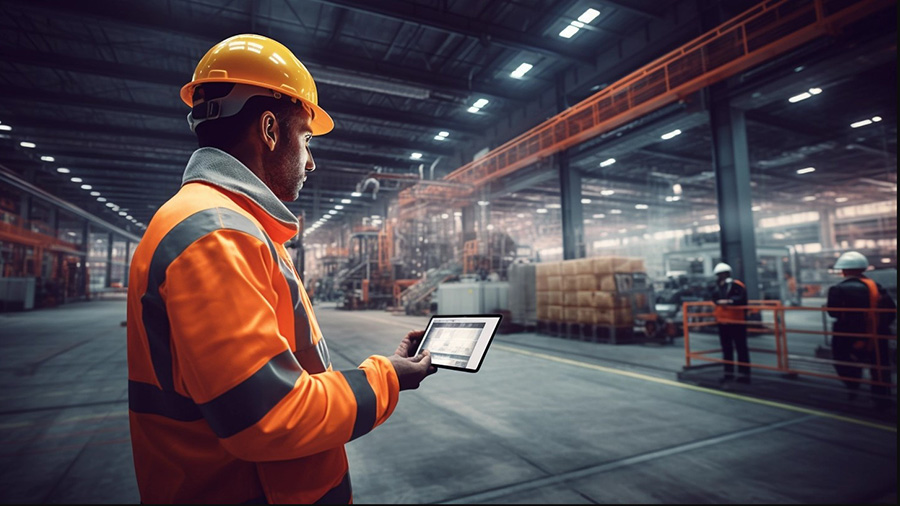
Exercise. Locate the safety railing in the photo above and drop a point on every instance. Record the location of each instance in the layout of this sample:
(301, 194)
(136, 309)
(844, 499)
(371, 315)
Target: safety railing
(790, 354)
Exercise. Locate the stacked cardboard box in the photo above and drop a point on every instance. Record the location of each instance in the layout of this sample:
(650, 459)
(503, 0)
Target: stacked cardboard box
(584, 290)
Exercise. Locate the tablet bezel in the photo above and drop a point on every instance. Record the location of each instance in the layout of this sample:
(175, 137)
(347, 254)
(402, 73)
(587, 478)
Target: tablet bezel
(499, 318)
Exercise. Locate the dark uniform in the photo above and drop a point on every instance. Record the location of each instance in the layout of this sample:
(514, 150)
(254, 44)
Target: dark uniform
(733, 337)
(853, 292)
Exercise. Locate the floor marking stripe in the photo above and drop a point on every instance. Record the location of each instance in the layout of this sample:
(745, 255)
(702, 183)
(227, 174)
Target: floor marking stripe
(663, 381)
(688, 386)
(484, 497)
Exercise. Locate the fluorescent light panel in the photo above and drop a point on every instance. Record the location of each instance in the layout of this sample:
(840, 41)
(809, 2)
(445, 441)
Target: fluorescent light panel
(588, 16)
(521, 70)
(669, 135)
(805, 95)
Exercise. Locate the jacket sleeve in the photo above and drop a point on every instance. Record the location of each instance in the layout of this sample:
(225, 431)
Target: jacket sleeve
(231, 359)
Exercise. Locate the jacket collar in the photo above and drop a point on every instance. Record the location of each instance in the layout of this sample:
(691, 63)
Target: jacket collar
(220, 169)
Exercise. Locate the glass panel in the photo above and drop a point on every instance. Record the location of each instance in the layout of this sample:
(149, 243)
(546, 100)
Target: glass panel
(98, 252)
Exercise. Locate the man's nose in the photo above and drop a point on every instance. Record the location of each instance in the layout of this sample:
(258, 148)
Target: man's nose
(310, 162)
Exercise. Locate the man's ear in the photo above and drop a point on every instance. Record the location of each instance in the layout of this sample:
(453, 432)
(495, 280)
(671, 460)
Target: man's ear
(268, 129)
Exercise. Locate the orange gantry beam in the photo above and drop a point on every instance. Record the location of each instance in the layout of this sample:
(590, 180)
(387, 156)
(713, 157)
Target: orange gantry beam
(768, 29)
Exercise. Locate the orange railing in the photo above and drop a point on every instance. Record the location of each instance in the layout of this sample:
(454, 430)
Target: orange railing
(698, 315)
(770, 28)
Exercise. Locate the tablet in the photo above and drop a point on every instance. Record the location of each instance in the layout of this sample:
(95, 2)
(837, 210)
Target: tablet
(459, 342)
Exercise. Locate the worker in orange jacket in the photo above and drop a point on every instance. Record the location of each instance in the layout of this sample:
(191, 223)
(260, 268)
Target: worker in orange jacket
(232, 395)
(858, 291)
(729, 293)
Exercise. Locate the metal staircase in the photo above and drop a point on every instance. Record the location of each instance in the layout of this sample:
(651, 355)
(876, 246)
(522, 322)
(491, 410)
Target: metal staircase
(416, 298)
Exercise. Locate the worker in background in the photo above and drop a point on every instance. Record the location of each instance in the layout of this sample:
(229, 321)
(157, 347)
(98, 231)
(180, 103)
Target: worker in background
(791, 283)
(858, 291)
(232, 395)
(728, 294)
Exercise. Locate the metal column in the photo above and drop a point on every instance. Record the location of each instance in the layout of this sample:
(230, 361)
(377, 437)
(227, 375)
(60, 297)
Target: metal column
(732, 165)
(572, 214)
(109, 258)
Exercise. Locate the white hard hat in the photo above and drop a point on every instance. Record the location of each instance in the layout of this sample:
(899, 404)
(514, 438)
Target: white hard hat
(721, 267)
(852, 260)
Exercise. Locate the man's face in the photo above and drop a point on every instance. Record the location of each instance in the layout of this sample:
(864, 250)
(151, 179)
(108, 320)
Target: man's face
(722, 276)
(292, 160)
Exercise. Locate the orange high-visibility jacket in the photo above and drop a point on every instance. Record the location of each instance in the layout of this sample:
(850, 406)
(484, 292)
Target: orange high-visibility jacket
(231, 393)
(735, 290)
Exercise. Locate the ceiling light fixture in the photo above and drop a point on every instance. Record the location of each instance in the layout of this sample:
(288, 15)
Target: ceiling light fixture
(588, 16)
(5, 128)
(607, 162)
(47, 159)
(865, 122)
(481, 102)
(346, 201)
(807, 170)
(25, 144)
(669, 135)
(63, 170)
(805, 95)
(416, 156)
(521, 70)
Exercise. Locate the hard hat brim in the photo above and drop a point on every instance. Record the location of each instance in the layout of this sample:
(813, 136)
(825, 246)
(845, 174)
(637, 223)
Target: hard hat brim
(320, 124)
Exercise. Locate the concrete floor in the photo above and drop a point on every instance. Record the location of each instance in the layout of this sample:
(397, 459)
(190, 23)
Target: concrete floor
(546, 420)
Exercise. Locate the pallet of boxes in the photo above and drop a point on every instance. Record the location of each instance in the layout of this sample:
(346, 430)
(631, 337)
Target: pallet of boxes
(580, 299)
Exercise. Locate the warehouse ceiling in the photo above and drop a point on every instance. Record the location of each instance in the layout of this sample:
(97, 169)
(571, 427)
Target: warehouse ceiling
(94, 85)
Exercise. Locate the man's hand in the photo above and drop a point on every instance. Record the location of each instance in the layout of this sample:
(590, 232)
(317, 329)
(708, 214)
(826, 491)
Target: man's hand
(723, 302)
(411, 370)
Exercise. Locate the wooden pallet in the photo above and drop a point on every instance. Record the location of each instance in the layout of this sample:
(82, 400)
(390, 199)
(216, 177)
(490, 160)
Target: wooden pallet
(587, 332)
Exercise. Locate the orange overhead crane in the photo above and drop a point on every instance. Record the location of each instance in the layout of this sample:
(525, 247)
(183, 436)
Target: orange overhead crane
(766, 30)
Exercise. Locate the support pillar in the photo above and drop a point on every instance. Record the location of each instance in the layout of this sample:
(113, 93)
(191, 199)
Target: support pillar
(109, 258)
(732, 166)
(827, 236)
(572, 208)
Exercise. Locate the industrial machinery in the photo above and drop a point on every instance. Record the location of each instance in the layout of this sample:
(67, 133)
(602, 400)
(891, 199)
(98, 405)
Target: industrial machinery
(678, 289)
(368, 280)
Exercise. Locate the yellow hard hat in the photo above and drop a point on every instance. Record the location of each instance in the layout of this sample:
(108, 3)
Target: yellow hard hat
(259, 61)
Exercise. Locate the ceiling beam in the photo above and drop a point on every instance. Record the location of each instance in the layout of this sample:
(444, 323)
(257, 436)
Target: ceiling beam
(349, 110)
(328, 144)
(149, 16)
(450, 22)
(629, 6)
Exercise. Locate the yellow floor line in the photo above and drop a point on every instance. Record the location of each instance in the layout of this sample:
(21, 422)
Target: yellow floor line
(620, 372)
(663, 381)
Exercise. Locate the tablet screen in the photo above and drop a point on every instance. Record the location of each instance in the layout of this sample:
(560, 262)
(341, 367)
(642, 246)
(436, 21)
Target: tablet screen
(459, 341)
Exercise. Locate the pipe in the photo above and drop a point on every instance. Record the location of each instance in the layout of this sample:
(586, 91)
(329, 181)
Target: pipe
(361, 187)
(431, 170)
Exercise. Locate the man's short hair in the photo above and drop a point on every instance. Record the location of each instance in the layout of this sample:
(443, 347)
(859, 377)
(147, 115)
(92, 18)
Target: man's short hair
(223, 133)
